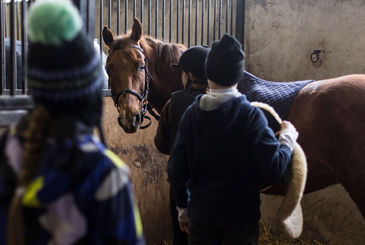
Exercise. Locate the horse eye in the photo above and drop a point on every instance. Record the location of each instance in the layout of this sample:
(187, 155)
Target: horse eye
(141, 68)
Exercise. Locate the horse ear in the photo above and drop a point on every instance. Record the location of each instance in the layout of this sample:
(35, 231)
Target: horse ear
(108, 36)
(136, 30)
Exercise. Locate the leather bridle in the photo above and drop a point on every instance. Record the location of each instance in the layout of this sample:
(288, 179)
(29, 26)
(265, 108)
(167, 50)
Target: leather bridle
(146, 106)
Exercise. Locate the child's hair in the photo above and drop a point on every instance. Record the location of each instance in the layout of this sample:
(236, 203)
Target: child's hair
(34, 138)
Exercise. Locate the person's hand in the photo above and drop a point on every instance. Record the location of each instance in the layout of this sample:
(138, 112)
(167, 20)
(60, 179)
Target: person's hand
(183, 219)
(284, 126)
(184, 227)
(288, 135)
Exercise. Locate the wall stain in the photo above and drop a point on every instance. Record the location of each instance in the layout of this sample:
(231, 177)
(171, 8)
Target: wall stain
(119, 150)
(150, 162)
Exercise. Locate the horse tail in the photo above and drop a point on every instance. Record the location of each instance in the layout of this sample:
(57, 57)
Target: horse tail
(34, 137)
(290, 211)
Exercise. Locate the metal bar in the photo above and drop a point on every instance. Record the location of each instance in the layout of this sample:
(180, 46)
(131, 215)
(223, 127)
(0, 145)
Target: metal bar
(118, 17)
(13, 77)
(91, 7)
(24, 46)
(110, 13)
(220, 18)
(13, 108)
(202, 29)
(240, 22)
(232, 3)
(141, 9)
(11, 116)
(88, 18)
(16, 92)
(156, 18)
(106, 92)
(208, 22)
(177, 20)
(125, 16)
(163, 20)
(214, 18)
(183, 22)
(16, 103)
(226, 16)
(2, 48)
(101, 27)
(189, 23)
(149, 17)
(134, 9)
(170, 23)
(5, 21)
(17, 21)
(196, 21)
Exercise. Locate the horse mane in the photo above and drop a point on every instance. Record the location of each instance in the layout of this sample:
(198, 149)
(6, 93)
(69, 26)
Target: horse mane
(164, 53)
(167, 79)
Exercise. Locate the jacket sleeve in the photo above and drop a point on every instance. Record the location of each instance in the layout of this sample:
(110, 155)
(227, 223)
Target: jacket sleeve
(162, 137)
(177, 166)
(116, 209)
(129, 228)
(270, 158)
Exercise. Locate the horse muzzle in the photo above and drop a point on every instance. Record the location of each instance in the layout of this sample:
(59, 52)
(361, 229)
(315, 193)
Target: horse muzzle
(132, 125)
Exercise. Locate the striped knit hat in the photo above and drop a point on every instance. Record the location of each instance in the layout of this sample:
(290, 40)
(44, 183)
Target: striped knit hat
(62, 62)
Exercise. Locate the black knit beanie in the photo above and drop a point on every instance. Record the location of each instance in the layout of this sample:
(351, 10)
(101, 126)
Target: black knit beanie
(193, 59)
(64, 69)
(225, 63)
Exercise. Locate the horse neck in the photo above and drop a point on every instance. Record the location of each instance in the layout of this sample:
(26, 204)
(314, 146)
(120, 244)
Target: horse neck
(165, 79)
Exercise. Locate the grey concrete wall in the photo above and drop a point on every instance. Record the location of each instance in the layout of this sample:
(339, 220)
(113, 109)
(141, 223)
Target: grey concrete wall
(281, 35)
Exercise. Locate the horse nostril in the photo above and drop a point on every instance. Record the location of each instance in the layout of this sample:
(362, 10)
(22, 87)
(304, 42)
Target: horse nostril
(137, 120)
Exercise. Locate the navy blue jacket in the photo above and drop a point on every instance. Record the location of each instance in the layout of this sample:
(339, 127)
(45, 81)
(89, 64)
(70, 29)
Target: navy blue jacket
(223, 155)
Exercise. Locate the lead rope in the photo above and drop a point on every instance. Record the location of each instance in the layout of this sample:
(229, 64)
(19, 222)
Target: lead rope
(290, 212)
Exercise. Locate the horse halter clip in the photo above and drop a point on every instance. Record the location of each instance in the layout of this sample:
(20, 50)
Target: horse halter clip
(146, 106)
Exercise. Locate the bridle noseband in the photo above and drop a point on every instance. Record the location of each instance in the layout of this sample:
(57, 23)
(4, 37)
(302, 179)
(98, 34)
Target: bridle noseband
(146, 106)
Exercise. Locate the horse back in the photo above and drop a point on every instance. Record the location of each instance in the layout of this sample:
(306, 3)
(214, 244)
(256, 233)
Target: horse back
(329, 114)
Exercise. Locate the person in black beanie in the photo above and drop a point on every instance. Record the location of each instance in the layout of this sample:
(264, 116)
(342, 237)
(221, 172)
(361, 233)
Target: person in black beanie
(191, 64)
(223, 148)
(59, 184)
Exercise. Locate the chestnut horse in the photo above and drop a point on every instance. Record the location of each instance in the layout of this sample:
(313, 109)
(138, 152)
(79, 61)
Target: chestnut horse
(329, 114)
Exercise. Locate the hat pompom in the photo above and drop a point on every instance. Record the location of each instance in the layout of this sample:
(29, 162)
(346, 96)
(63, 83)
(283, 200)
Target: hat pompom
(51, 22)
(62, 62)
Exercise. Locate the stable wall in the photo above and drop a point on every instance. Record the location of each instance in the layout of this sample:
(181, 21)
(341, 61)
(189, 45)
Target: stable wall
(281, 35)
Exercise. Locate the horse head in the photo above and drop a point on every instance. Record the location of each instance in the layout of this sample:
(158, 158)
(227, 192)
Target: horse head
(127, 69)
